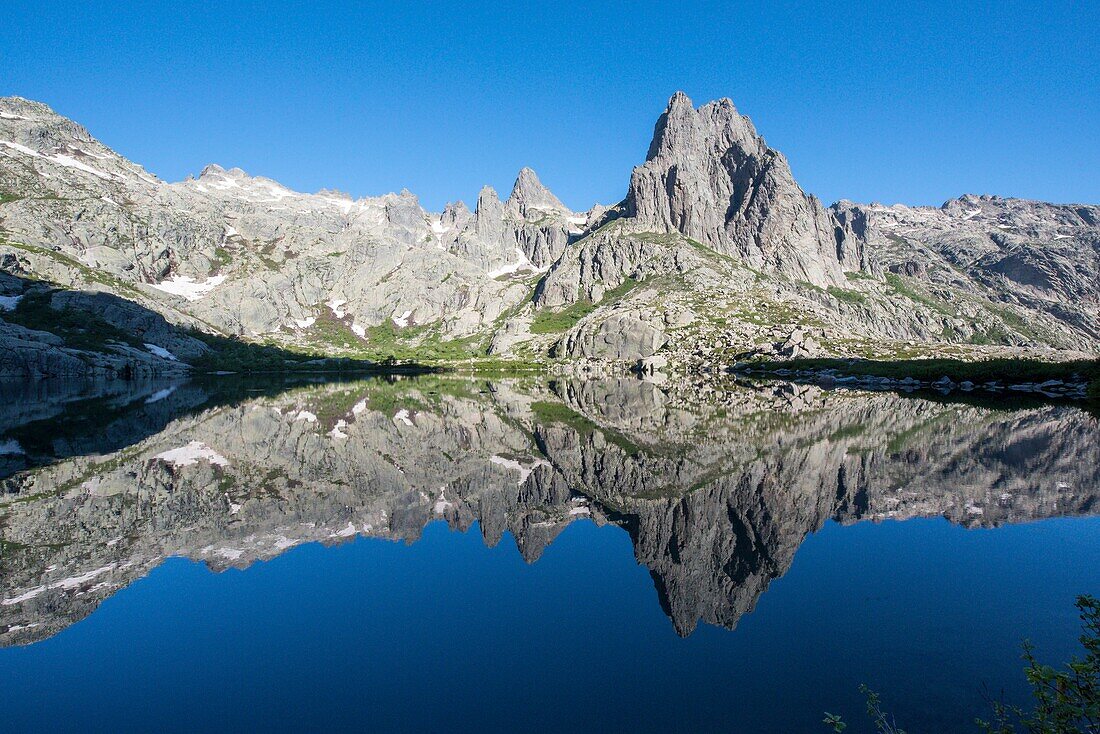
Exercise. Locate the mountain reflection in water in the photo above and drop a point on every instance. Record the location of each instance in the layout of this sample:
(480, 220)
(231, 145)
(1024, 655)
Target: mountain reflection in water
(716, 486)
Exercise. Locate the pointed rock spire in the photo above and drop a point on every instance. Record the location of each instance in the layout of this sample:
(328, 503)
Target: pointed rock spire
(711, 177)
(530, 195)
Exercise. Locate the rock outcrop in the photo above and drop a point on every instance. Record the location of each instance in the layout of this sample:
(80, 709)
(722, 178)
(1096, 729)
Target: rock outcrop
(711, 177)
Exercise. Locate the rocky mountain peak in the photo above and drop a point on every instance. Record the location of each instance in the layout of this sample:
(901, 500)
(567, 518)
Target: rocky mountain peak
(19, 107)
(710, 176)
(36, 126)
(529, 195)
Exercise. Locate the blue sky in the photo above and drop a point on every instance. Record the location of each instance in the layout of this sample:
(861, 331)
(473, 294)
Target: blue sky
(911, 102)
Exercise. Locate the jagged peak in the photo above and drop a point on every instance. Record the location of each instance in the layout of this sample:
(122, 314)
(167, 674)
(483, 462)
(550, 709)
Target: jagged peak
(456, 207)
(679, 100)
(24, 106)
(529, 193)
(217, 171)
(487, 196)
(682, 126)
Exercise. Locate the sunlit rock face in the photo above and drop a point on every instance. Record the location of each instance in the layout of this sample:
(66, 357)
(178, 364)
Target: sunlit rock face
(714, 250)
(711, 177)
(717, 488)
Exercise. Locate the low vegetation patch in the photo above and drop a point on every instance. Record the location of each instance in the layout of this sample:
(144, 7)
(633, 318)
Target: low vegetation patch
(846, 296)
(555, 322)
(78, 329)
(547, 412)
(900, 286)
(1065, 701)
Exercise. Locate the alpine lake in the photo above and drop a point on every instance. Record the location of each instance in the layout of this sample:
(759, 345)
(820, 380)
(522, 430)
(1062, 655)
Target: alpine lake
(452, 553)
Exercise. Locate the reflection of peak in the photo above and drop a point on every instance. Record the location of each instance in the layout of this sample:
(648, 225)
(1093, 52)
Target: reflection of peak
(715, 503)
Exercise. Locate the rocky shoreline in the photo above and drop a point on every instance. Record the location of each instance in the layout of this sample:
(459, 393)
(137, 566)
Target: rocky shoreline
(832, 376)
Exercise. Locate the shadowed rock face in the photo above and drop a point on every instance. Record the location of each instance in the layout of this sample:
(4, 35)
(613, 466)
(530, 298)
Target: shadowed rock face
(717, 488)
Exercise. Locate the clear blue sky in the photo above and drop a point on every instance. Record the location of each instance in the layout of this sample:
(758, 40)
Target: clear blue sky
(911, 102)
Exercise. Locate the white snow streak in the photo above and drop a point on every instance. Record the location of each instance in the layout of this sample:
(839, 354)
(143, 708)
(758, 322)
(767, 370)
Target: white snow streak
(161, 352)
(191, 454)
(524, 472)
(160, 395)
(187, 287)
(7, 303)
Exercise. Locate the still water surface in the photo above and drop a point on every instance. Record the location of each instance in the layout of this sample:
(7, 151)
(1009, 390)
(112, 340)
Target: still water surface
(581, 556)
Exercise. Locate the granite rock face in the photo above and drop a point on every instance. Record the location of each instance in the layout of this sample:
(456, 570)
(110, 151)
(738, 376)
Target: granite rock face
(711, 177)
(713, 224)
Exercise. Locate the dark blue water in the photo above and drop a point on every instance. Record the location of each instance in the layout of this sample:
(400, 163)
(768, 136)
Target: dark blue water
(447, 634)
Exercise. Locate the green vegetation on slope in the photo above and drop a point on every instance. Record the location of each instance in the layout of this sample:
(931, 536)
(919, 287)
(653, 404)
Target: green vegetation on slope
(547, 412)
(78, 329)
(903, 288)
(555, 322)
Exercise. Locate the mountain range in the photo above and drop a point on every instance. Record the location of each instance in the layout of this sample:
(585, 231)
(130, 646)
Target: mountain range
(714, 253)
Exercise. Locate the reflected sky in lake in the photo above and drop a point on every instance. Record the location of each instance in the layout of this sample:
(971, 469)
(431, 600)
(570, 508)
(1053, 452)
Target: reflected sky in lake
(570, 555)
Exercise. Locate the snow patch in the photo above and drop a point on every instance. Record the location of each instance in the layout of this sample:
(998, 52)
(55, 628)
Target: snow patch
(21, 148)
(10, 447)
(7, 303)
(442, 504)
(401, 321)
(231, 231)
(188, 287)
(524, 472)
(191, 454)
(305, 415)
(70, 162)
(438, 227)
(522, 263)
(160, 395)
(359, 331)
(345, 533)
(161, 352)
(70, 583)
(359, 407)
(337, 308)
(403, 417)
(338, 430)
(305, 323)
